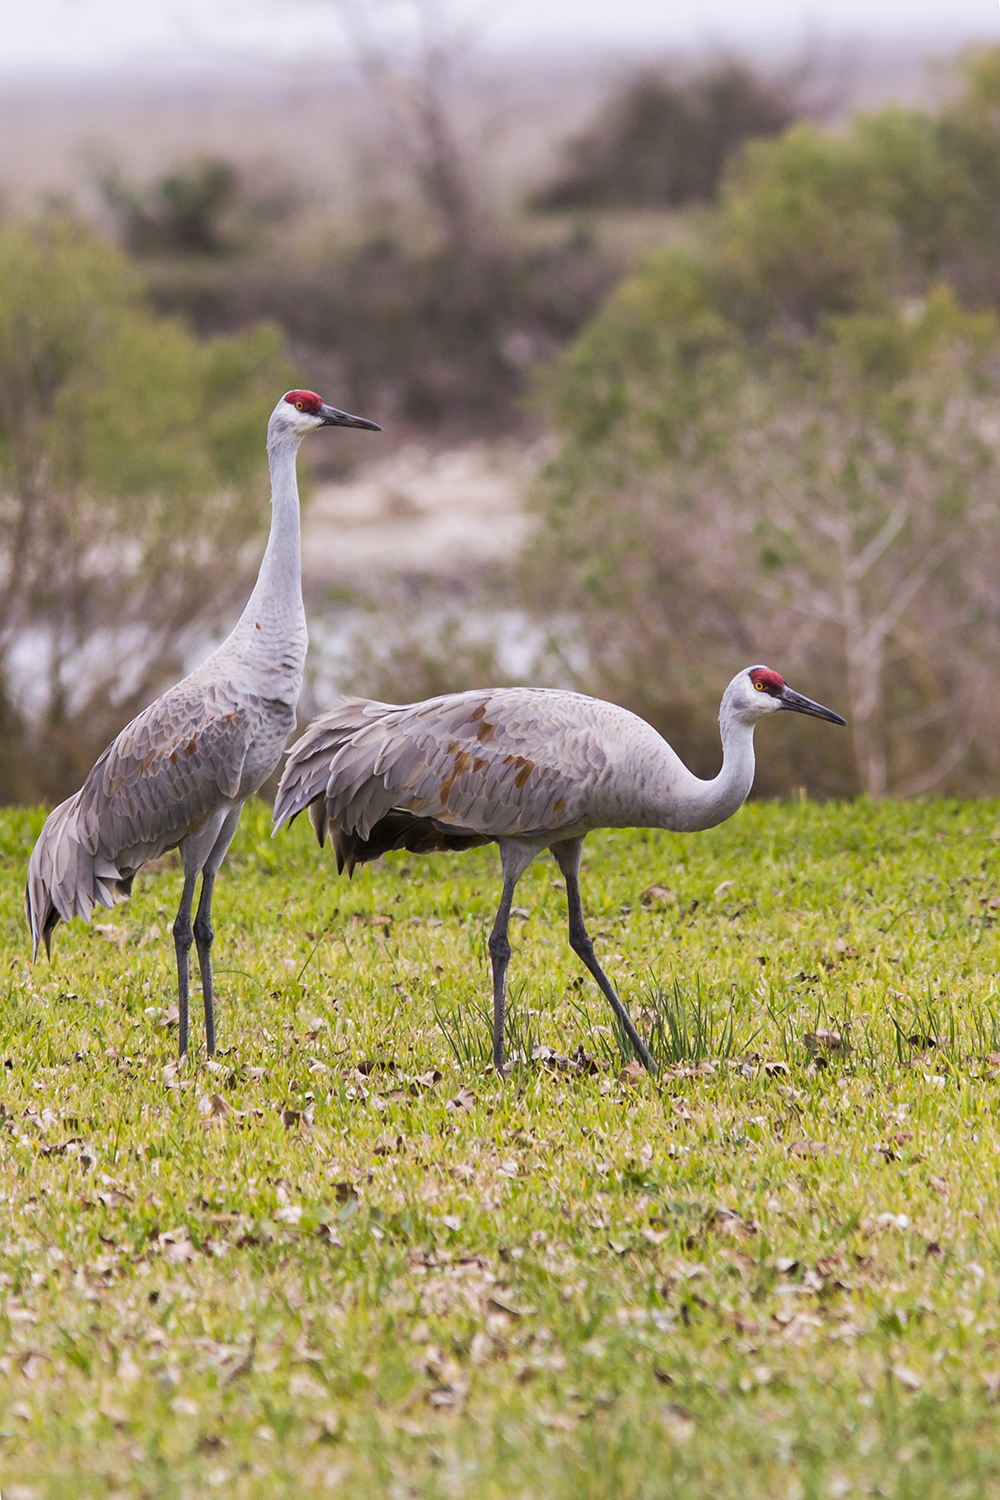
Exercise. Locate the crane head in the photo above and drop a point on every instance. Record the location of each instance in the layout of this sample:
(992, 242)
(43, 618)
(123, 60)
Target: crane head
(759, 691)
(300, 412)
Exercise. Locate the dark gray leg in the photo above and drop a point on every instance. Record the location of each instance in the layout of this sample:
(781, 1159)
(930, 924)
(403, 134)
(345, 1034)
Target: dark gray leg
(568, 855)
(500, 957)
(203, 933)
(515, 859)
(203, 936)
(182, 948)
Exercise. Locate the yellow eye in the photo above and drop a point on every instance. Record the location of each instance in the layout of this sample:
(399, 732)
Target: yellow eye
(299, 406)
(759, 686)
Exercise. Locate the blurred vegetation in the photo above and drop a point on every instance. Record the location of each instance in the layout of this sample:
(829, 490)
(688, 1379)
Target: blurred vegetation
(423, 338)
(132, 487)
(781, 442)
(207, 208)
(660, 142)
(777, 438)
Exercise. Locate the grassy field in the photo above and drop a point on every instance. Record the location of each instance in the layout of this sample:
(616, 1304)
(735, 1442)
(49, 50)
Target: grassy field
(345, 1259)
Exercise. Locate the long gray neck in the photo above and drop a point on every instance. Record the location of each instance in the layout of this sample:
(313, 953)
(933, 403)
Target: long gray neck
(270, 638)
(695, 804)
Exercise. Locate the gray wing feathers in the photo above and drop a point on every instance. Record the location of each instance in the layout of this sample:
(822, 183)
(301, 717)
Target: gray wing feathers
(513, 761)
(157, 781)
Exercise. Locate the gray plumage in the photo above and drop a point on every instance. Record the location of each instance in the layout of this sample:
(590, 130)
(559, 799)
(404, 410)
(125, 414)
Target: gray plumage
(178, 775)
(528, 768)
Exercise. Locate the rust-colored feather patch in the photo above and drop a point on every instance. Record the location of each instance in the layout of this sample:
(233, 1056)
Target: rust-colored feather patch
(525, 768)
(485, 730)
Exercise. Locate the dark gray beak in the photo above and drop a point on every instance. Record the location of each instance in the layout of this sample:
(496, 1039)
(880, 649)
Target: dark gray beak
(334, 418)
(800, 705)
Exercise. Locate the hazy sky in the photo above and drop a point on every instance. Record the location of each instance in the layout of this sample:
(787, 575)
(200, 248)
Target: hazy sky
(86, 35)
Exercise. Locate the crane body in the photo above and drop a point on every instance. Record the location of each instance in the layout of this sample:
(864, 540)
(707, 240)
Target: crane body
(527, 768)
(178, 775)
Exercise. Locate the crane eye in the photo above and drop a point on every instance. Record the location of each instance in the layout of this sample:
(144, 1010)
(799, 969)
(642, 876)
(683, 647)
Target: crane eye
(300, 406)
(759, 686)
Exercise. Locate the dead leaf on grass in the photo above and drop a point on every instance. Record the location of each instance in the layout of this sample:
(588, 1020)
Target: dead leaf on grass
(657, 895)
(725, 1221)
(808, 1148)
(504, 1304)
(425, 1080)
(176, 1245)
(632, 1073)
(826, 1042)
(219, 1112)
(69, 1147)
(113, 1197)
(678, 1423)
(463, 1102)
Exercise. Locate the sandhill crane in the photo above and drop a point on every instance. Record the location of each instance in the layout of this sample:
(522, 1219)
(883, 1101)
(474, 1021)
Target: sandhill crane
(177, 776)
(527, 768)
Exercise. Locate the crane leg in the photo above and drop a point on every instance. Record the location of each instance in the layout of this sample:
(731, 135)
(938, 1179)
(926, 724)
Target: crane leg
(499, 947)
(203, 934)
(568, 855)
(182, 947)
(515, 859)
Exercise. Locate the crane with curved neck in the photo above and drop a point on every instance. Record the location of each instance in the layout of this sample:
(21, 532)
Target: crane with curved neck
(527, 768)
(178, 775)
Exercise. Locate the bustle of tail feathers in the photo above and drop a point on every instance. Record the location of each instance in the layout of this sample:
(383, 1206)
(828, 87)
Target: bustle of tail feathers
(308, 766)
(66, 878)
(304, 786)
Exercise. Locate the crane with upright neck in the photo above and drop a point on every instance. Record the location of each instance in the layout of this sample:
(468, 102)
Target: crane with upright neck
(178, 776)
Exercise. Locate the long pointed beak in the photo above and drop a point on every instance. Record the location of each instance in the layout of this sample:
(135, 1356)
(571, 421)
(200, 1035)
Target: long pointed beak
(800, 705)
(334, 418)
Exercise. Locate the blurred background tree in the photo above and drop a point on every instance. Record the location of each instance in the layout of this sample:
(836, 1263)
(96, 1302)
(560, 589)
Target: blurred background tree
(206, 208)
(781, 443)
(132, 491)
(759, 354)
(662, 142)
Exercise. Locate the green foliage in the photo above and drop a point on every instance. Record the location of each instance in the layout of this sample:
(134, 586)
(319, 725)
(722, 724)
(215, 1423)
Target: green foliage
(131, 481)
(301, 1273)
(779, 443)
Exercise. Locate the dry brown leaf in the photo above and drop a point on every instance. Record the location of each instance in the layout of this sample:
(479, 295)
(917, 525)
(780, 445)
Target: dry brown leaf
(808, 1148)
(426, 1080)
(464, 1100)
(824, 1040)
(503, 1304)
(678, 1423)
(657, 895)
(113, 1198)
(632, 1072)
(176, 1245)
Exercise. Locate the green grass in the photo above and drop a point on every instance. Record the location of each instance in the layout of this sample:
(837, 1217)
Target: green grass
(774, 1274)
